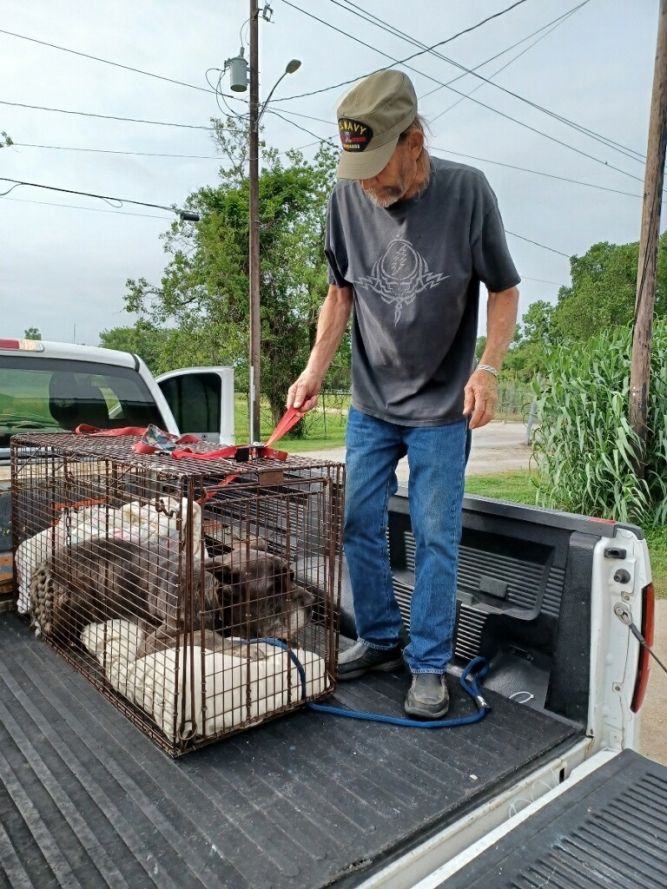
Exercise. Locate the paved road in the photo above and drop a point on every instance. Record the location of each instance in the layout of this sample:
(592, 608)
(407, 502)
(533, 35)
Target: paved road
(499, 447)
(496, 447)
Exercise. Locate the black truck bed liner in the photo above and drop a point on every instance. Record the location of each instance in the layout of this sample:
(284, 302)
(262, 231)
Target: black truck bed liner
(307, 800)
(609, 830)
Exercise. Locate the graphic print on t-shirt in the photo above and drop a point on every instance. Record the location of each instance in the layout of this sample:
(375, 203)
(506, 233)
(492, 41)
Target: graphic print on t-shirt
(399, 275)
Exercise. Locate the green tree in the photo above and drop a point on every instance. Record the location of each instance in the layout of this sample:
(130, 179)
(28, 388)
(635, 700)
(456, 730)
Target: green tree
(144, 339)
(602, 293)
(204, 289)
(538, 324)
(32, 333)
(5, 140)
(534, 337)
(480, 345)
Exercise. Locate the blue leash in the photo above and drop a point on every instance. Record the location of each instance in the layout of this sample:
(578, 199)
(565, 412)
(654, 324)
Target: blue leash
(470, 678)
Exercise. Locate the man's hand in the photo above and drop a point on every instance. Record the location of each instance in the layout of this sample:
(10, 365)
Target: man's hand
(303, 393)
(480, 398)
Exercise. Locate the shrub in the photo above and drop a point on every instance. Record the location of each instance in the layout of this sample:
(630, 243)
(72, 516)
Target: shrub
(584, 446)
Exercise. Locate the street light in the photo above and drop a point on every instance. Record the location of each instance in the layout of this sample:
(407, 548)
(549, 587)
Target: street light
(253, 237)
(292, 66)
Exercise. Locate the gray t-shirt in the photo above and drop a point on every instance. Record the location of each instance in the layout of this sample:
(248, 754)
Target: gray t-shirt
(415, 270)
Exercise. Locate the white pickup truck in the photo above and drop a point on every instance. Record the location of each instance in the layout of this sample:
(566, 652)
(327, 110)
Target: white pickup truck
(546, 791)
(48, 387)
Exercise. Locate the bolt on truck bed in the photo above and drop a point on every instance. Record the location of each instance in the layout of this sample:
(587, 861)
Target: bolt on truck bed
(311, 800)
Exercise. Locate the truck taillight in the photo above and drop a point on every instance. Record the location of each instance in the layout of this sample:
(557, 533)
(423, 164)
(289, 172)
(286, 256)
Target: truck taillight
(22, 345)
(643, 668)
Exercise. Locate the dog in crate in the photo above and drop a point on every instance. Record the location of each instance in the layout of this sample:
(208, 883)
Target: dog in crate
(245, 592)
(258, 593)
(101, 578)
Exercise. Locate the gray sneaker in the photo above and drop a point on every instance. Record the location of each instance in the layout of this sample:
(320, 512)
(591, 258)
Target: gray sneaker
(361, 658)
(428, 697)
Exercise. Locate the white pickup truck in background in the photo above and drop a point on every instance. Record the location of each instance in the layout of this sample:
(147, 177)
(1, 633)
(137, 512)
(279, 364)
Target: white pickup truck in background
(50, 387)
(545, 791)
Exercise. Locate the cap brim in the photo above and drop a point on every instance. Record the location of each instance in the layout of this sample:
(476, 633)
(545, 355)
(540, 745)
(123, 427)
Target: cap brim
(365, 164)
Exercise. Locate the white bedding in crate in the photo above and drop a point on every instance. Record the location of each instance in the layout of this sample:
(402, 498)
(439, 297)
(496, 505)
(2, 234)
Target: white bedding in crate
(134, 521)
(228, 690)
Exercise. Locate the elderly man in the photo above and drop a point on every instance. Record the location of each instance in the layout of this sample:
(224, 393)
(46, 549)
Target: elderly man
(409, 238)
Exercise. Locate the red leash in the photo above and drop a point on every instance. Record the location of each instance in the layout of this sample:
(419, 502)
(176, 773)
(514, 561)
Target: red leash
(240, 453)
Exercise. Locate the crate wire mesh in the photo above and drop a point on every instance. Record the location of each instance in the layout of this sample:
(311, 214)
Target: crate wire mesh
(200, 596)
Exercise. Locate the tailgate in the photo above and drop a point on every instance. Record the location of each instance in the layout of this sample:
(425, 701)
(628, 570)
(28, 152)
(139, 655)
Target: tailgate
(608, 830)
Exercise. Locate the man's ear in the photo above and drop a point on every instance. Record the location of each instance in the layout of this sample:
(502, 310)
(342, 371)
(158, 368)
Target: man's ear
(415, 141)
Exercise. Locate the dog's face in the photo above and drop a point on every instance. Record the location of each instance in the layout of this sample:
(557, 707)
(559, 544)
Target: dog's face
(259, 596)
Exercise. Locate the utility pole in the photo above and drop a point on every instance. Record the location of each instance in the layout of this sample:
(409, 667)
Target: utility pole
(253, 226)
(640, 372)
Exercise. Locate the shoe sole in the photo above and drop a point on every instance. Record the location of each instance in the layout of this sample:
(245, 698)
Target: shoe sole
(415, 713)
(387, 667)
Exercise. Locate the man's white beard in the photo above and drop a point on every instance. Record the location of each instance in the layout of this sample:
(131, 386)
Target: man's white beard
(382, 200)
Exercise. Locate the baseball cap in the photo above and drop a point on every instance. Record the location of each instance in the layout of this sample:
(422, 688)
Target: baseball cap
(371, 117)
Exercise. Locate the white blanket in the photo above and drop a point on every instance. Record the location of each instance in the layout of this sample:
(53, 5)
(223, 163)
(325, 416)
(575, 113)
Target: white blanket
(195, 692)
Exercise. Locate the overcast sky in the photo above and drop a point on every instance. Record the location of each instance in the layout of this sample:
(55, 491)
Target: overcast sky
(63, 268)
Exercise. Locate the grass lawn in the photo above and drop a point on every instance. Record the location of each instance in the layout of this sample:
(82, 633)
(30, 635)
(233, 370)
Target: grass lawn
(324, 429)
(515, 486)
(657, 546)
(518, 488)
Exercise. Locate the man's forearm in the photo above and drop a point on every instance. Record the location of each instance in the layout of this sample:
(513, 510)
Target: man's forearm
(334, 315)
(501, 317)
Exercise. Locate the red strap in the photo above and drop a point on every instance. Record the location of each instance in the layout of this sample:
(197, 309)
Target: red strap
(228, 452)
(289, 419)
(208, 495)
(85, 429)
(240, 453)
(140, 447)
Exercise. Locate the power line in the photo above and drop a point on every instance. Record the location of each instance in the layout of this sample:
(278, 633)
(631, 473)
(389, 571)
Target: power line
(88, 194)
(537, 244)
(327, 139)
(541, 280)
(157, 123)
(318, 141)
(86, 55)
(210, 89)
(212, 157)
(18, 182)
(379, 23)
(201, 157)
(458, 92)
(559, 20)
(487, 160)
(87, 209)
(402, 61)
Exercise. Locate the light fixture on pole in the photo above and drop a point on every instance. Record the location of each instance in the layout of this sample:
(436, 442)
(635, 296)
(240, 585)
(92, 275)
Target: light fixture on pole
(253, 238)
(292, 66)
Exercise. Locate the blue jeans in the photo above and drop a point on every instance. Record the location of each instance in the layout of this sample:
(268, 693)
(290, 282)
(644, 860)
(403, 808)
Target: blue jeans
(437, 457)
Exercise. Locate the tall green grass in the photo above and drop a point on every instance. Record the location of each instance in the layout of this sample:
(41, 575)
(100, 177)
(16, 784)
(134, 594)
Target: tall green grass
(584, 446)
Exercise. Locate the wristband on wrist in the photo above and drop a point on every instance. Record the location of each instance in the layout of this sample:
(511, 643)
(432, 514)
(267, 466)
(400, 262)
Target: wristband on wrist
(489, 368)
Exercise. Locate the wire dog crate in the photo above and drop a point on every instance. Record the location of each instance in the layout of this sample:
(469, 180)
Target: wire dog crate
(201, 596)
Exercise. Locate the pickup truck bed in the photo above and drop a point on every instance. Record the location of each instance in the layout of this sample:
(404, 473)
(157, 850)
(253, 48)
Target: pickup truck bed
(308, 800)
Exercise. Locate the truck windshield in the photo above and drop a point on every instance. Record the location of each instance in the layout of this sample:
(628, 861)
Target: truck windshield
(52, 395)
